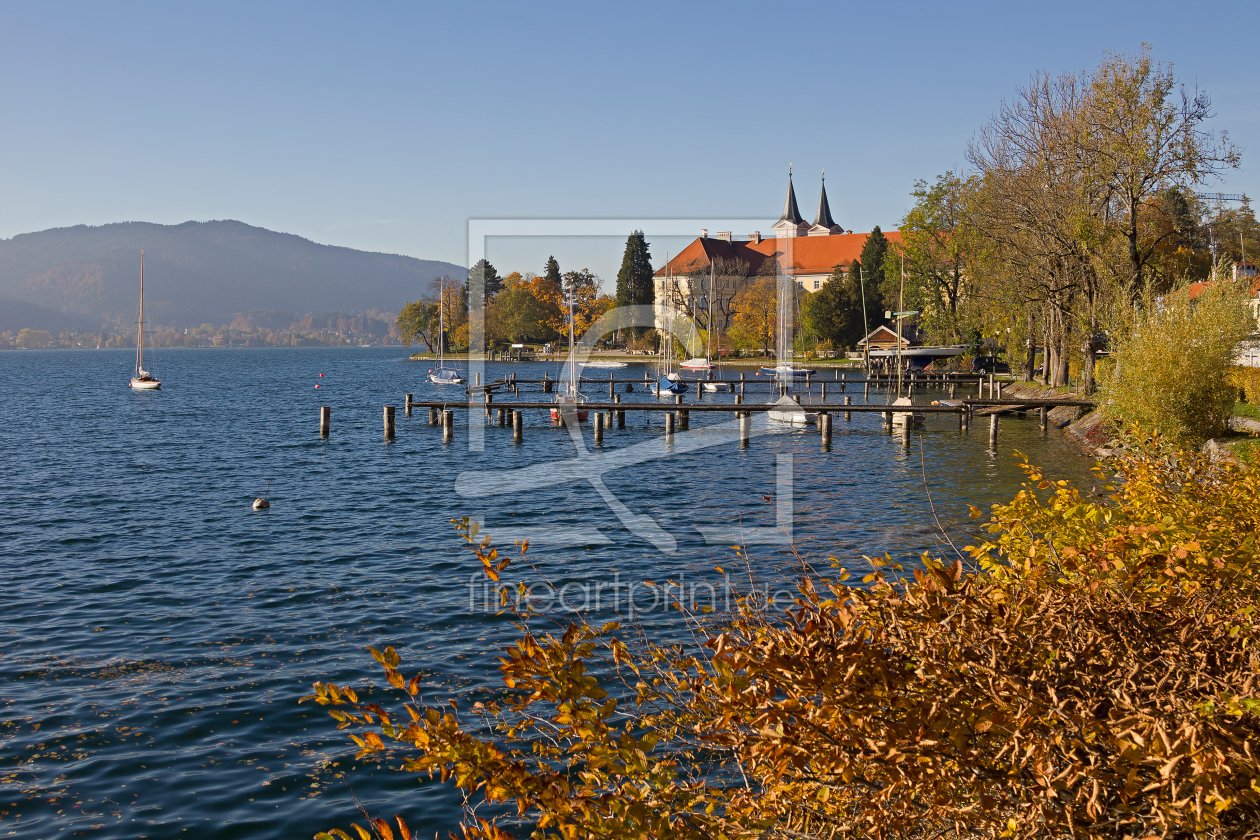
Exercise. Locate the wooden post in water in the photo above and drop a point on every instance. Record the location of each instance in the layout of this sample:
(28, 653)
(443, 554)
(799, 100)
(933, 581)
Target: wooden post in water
(325, 419)
(888, 422)
(739, 399)
(848, 415)
(621, 414)
(518, 423)
(951, 390)
(866, 389)
(407, 404)
(964, 418)
(433, 416)
(448, 424)
(389, 422)
(824, 420)
(745, 427)
(823, 383)
(684, 420)
(669, 424)
(1044, 417)
(503, 413)
(599, 427)
(993, 427)
(476, 378)
(843, 377)
(999, 389)
(741, 383)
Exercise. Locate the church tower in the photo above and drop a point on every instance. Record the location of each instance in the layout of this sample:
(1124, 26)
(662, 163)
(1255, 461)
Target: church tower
(824, 225)
(790, 224)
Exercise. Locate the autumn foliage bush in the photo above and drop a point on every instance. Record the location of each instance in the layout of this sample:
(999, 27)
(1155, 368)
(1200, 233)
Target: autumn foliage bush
(1086, 669)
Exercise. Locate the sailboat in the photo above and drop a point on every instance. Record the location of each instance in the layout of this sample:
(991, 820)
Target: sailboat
(443, 375)
(566, 403)
(705, 363)
(669, 384)
(143, 380)
(708, 346)
(903, 419)
(787, 409)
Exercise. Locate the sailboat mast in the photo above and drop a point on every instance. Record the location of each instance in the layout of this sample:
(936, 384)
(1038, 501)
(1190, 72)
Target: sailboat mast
(441, 321)
(140, 321)
(572, 360)
(708, 343)
(901, 308)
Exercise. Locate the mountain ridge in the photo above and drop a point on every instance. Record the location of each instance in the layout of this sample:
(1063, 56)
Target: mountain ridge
(201, 272)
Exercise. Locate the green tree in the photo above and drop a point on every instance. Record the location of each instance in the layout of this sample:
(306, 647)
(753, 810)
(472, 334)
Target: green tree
(551, 278)
(516, 315)
(483, 276)
(634, 280)
(936, 249)
(874, 250)
(418, 321)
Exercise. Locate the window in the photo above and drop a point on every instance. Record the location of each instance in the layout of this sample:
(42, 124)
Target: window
(817, 285)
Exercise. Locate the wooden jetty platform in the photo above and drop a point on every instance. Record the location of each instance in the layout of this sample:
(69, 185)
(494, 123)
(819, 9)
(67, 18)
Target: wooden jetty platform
(677, 413)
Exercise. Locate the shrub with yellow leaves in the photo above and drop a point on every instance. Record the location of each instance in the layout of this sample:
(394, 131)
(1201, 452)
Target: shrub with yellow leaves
(1088, 670)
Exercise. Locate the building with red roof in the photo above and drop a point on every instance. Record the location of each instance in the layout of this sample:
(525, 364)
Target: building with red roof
(806, 253)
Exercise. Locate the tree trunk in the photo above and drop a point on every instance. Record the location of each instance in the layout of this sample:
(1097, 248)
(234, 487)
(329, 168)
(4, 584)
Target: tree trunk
(1061, 377)
(1049, 355)
(1030, 359)
(1088, 385)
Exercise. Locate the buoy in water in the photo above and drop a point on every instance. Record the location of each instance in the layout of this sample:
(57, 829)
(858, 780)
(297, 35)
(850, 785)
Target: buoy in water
(263, 504)
(321, 375)
(629, 389)
(316, 386)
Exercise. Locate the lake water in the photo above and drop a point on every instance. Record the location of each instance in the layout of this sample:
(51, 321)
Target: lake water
(157, 633)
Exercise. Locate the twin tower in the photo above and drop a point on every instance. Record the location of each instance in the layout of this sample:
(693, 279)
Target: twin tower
(791, 224)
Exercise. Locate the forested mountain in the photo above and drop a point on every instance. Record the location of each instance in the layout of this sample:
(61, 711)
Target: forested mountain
(195, 273)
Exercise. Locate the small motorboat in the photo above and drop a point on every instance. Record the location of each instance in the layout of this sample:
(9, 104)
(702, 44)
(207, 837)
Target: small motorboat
(713, 387)
(788, 410)
(697, 364)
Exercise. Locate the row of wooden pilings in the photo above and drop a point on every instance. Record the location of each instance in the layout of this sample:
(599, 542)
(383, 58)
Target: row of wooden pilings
(678, 420)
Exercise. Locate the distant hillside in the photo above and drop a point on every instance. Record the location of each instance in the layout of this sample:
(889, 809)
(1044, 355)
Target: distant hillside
(195, 273)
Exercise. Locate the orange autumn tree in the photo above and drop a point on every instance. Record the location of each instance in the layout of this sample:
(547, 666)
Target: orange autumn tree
(1088, 669)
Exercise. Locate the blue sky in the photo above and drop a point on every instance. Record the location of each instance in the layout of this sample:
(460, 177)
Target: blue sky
(386, 126)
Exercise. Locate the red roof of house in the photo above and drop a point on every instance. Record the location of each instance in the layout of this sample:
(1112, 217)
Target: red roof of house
(803, 254)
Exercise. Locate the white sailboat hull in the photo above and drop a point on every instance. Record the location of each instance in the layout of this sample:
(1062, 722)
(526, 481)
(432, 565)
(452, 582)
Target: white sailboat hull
(715, 386)
(788, 410)
(145, 384)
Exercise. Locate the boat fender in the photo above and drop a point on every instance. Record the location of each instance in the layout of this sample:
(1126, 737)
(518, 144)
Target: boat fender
(261, 504)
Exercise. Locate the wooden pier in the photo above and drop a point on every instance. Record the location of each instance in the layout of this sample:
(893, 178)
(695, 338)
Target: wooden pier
(677, 414)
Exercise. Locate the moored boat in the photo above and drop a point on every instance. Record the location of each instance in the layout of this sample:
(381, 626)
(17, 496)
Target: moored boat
(788, 410)
(142, 380)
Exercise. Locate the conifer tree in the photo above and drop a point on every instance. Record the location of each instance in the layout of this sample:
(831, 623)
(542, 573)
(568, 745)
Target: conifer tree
(872, 260)
(484, 276)
(634, 280)
(552, 278)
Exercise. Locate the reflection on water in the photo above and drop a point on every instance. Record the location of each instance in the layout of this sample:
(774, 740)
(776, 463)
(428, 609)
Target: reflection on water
(157, 632)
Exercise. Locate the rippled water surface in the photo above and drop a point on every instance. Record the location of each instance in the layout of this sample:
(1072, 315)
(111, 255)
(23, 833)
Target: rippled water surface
(157, 633)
